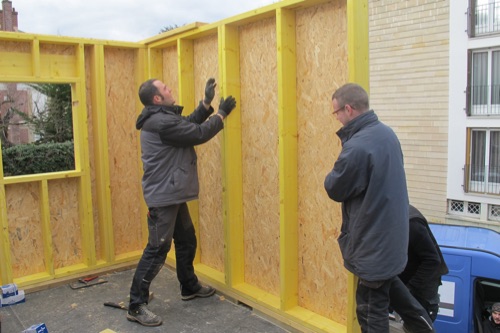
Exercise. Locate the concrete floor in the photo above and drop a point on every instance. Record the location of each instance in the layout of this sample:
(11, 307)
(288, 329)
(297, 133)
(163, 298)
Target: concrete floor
(65, 310)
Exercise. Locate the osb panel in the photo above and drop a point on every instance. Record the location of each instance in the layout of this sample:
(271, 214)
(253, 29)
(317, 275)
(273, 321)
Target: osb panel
(259, 118)
(321, 68)
(65, 222)
(125, 173)
(211, 227)
(21, 47)
(25, 228)
(90, 127)
(170, 71)
(58, 49)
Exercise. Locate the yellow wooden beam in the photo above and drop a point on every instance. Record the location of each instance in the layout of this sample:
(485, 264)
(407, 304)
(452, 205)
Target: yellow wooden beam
(41, 176)
(232, 175)
(82, 160)
(357, 41)
(287, 119)
(35, 58)
(63, 40)
(5, 253)
(185, 57)
(357, 55)
(148, 63)
(101, 155)
(48, 246)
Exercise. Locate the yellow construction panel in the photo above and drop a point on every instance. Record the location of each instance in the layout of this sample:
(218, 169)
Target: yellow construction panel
(25, 229)
(263, 220)
(287, 121)
(229, 55)
(260, 165)
(210, 225)
(321, 68)
(65, 222)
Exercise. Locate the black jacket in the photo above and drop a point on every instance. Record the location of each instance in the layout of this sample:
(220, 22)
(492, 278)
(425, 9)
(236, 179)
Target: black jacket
(490, 327)
(168, 156)
(425, 264)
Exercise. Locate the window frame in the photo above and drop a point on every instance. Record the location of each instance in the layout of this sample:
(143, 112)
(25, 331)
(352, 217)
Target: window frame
(490, 108)
(493, 21)
(487, 185)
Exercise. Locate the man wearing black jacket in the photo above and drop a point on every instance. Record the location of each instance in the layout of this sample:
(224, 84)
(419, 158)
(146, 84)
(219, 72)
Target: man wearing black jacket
(170, 180)
(425, 266)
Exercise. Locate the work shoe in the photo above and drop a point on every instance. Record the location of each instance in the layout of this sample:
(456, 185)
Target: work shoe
(406, 329)
(202, 292)
(144, 316)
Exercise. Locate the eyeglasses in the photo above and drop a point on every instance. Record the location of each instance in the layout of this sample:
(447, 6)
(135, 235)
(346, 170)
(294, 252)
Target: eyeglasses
(338, 110)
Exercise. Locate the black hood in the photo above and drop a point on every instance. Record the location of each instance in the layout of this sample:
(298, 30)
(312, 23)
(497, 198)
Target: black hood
(148, 111)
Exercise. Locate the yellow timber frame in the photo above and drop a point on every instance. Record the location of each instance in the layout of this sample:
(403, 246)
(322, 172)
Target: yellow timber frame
(83, 68)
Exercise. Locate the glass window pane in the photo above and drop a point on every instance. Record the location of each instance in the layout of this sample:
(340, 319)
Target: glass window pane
(481, 16)
(477, 162)
(480, 78)
(36, 128)
(495, 77)
(494, 163)
(496, 16)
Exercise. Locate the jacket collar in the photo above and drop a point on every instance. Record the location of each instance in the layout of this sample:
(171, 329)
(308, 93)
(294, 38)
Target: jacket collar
(149, 110)
(352, 127)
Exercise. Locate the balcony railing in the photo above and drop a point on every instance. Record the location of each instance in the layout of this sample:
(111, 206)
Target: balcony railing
(482, 179)
(485, 100)
(484, 19)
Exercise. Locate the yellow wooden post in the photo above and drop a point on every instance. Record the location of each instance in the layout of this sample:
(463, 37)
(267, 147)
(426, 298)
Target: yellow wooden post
(5, 254)
(287, 117)
(48, 247)
(185, 56)
(82, 161)
(35, 57)
(145, 71)
(229, 67)
(357, 39)
(101, 156)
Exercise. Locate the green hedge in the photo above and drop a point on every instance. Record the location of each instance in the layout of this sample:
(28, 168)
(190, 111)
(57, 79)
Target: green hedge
(30, 159)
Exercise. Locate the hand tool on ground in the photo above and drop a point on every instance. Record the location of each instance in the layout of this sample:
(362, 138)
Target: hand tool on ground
(87, 282)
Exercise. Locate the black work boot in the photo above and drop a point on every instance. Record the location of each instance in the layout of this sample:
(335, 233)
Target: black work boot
(202, 292)
(144, 316)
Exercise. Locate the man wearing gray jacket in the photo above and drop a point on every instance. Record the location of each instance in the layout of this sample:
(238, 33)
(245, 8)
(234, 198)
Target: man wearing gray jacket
(170, 180)
(369, 180)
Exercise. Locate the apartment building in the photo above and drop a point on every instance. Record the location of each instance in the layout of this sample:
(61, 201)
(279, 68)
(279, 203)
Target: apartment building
(435, 79)
(473, 184)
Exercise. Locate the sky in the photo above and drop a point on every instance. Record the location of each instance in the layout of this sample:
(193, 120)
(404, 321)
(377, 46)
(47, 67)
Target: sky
(122, 20)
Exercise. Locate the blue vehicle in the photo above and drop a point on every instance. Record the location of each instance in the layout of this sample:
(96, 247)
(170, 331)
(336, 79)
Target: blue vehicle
(473, 282)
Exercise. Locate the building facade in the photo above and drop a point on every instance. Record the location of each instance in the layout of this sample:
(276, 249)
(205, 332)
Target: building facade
(435, 79)
(474, 163)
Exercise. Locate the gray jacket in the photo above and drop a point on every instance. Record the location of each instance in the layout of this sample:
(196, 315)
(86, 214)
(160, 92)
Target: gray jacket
(369, 179)
(168, 156)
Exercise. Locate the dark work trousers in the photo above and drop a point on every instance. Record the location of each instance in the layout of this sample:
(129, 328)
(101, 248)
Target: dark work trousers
(373, 299)
(429, 298)
(165, 223)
